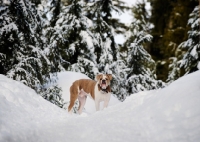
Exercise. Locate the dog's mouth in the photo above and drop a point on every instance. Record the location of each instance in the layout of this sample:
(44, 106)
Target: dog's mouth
(103, 84)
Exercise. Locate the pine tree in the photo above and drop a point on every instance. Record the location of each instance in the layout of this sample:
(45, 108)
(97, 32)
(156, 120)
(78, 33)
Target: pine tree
(22, 53)
(141, 75)
(76, 41)
(141, 19)
(54, 42)
(49, 11)
(169, 31)
(174, 70)
(21, 47)
(105, 28)
(105, 25)
(191, 60)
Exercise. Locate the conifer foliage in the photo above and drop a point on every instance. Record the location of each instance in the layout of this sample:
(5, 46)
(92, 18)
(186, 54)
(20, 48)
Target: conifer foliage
(75, 32)
(22, 56)
(39, 38)
(191, 60)
(141, 74)
(141, 68)
(23, 52)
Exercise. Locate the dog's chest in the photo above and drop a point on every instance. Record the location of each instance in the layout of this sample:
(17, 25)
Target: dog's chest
(101, 96)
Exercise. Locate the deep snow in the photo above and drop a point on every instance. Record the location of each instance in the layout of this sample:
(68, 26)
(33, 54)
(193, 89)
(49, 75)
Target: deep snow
(169, 114)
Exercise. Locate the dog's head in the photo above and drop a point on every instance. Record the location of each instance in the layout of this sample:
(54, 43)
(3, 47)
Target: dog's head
(104, 80)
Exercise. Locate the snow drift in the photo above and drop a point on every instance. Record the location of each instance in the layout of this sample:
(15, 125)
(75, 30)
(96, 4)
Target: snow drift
(169, 114)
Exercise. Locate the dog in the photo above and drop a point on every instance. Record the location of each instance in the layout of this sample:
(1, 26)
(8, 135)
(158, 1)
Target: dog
(99, 91)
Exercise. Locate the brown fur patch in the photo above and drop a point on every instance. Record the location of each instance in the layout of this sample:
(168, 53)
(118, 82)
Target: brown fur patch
(86, 84)
(109, 76)
(99, 76)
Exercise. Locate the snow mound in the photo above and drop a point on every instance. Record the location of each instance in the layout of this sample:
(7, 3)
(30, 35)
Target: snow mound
(23, 113)
(169, 114)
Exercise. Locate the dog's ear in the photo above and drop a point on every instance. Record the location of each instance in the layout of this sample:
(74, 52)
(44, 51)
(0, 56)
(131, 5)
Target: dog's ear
(109, 76)
(98, 77)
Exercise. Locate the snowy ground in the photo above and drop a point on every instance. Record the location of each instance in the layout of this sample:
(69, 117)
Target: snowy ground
(169, 114)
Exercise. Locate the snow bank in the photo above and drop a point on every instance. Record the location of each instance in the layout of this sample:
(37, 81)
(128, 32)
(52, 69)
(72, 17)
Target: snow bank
(169, 114)
(24, 115)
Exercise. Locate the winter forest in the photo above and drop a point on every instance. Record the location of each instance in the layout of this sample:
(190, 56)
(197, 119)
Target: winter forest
(39, 38)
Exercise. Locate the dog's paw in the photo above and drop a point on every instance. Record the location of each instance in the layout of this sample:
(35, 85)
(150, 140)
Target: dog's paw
(83, 114)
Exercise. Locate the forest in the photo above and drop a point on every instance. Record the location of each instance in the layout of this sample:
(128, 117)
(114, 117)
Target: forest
(39, 38)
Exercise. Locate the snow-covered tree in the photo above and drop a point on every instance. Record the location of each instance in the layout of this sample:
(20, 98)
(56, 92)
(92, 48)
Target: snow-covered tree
(106, 27)
(22, 54)
(21, 45)
(76, 41)
(174, 70)
(191, 60)
(49, 10)
(118, 84)
(141, 75)
(54, 43)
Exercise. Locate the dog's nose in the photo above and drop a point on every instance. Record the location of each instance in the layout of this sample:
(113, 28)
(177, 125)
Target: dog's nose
(104, 81)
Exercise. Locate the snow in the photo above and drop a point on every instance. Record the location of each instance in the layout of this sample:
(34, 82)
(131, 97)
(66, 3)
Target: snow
(169, 114)
(198, 65)
(9, 27)
(87, 39)
(6, 2)
(194, 52)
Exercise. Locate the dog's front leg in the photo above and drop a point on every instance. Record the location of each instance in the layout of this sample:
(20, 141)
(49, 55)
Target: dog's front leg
(105, 104)
(97, 105)
(106, 101)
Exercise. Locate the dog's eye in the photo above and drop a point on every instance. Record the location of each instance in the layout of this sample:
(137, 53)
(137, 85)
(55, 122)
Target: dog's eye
(100, 78)
(106, 79)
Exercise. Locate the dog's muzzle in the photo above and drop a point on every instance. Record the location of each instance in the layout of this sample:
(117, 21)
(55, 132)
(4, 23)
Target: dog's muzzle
(103, 84)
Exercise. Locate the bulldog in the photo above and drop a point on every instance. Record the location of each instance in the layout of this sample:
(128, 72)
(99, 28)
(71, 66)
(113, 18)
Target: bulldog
(98, 90)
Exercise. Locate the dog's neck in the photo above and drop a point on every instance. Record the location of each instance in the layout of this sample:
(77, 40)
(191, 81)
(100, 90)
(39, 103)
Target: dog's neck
(104, 90)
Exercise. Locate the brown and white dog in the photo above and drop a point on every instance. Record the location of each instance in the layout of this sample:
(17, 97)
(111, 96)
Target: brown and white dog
(99, 91)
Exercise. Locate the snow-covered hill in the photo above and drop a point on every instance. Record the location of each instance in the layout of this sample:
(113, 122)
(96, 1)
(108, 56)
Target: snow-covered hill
(169, 114)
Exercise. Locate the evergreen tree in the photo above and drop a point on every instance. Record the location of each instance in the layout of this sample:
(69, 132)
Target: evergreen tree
(36, 2)
(76, 41)
(49, 9)
(23, 58)
(174, 70)
(119, 71)
(191, 59)
(106, 27)
(141, 75)
(22, 54)
(169, 31)
(141, 17)
(54, 42)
